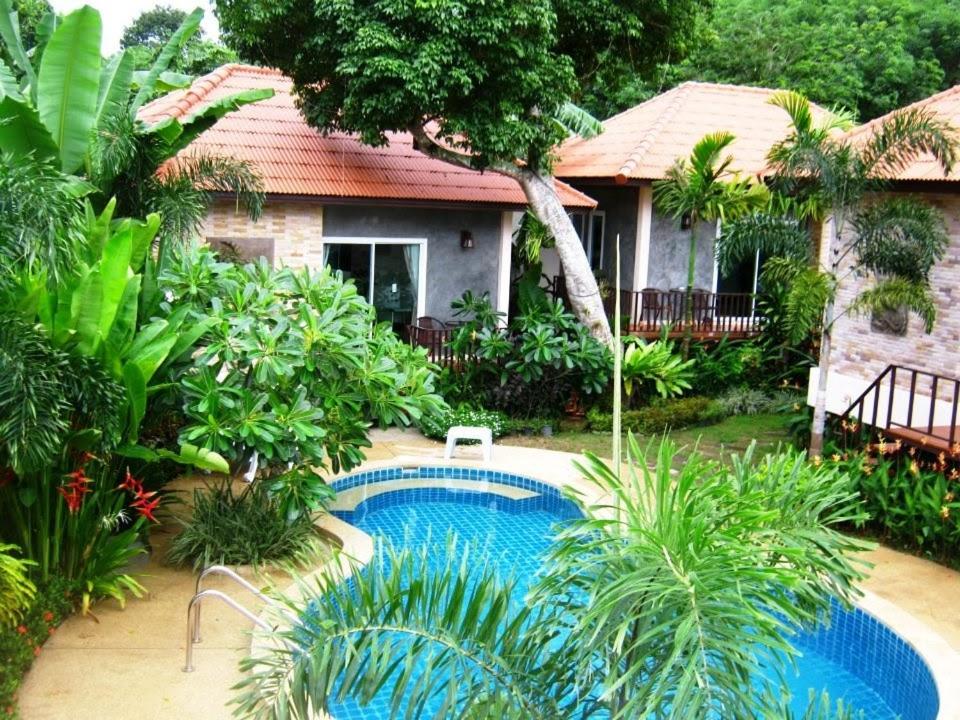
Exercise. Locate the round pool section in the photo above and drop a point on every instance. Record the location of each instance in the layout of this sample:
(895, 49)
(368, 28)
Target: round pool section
(513, 519)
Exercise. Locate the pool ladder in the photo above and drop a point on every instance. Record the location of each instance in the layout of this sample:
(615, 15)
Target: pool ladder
(193, 608)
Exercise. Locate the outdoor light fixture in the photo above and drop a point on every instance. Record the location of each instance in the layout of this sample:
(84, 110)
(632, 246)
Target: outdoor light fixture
(466, 240)
(685, 221)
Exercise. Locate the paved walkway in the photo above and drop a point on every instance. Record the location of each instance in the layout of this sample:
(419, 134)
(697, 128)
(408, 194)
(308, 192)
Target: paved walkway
(127, 663)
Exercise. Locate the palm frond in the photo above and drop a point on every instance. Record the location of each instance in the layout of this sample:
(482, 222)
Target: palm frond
(771, 234)
(451, 636)
(577, 121)
(905, 136)
(901, 237)
(893, 294)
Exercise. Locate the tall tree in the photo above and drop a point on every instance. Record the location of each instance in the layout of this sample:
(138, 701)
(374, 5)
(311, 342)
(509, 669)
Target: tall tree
(892, 242)
(479, 84)
(146, 36)
(705, 189)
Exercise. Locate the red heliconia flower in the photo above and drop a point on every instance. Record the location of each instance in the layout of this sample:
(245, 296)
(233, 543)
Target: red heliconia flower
(131, 483)
(22, 629)
(73, 499)
(145, 506)
(48, 616)
(87, 457)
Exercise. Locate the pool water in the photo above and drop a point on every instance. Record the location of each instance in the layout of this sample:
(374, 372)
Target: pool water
(515, 534)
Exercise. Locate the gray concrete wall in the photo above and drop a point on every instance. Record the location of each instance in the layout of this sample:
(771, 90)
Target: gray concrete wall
(670, 252)
(619, 202)
(450, 270)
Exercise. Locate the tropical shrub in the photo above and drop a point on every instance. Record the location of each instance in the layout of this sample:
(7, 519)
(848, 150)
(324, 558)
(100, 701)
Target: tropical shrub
(911, 500)
(646, 608)
(661, 416)
(436, 426)
(16, 590)
(21, 643)
(250, 527)
(727, 364)
(528, 367)
(293, 367)
(754, 401)
(654, 367)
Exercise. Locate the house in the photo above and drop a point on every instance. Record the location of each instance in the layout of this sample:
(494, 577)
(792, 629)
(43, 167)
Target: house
(412, 232)
(618, 168)
(890, 363)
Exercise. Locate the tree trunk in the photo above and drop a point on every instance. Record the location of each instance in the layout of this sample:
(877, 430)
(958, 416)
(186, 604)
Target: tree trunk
(582, 289)
(818, 427)
(688, 295)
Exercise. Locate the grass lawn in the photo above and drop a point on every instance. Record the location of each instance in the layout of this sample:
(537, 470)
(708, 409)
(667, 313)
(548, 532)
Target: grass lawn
(733, 434)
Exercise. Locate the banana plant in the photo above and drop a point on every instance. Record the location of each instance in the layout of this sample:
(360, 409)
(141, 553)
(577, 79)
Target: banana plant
(66, 96)
(95, 311)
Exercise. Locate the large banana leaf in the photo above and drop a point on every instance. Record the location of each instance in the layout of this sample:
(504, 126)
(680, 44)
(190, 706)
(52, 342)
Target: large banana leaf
(97, 229)
(8, 84)
(178, 134)
(165, 82)
(118, 340)
(45, 29)
(115, 83)
(68, 84)
(143, 234)
(136, 388)
(86, 307)
(10, 32)
(21, 131)
(151, 357)
(187, 28)
(188, 455)
(114, 274)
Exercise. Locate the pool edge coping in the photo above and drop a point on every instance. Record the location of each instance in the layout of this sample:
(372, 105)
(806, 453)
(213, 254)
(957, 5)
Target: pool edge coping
(938, 655)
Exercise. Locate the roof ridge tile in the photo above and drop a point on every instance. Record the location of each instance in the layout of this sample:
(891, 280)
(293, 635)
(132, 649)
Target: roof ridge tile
(636, 155)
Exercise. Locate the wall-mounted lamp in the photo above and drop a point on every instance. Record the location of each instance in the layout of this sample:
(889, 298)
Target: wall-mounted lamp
(466, 240)
(685, 221)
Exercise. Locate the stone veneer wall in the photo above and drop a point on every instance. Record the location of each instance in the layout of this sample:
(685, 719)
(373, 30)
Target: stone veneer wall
(861, 352)
(296, 227)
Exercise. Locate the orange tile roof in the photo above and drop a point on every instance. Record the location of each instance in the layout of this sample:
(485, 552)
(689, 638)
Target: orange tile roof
(295, 159)
(946, 105)
(642, 143)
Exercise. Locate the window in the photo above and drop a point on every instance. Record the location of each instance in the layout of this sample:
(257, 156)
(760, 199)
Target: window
(389, 272)
(590, 229)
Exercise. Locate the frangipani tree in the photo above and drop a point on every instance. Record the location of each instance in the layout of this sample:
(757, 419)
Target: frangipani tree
(480, 84)
(705, 188)
(825, 175)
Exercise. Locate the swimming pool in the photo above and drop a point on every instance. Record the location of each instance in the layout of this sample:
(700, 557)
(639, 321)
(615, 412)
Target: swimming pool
(858, 658)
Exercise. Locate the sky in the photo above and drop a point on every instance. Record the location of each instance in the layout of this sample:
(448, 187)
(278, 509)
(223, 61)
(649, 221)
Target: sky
(117, 14)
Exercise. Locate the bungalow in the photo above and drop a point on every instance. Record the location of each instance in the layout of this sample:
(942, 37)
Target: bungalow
(618, 168)
(412, 232)
(889, 363)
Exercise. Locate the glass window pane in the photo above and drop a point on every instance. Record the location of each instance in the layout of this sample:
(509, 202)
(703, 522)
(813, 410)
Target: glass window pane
(353, 261)
(396, 279)
(596, 241)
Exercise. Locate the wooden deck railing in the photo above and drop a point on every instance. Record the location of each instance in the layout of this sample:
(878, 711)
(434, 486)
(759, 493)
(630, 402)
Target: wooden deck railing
(915, 406)
(713, 315)
(436, 342)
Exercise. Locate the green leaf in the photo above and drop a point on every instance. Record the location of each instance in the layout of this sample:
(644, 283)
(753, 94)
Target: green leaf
(143, 234)
(198, 457)
(189, 26)
(199, 122)
(152, 355)
(8, 84)
(85, 312)
(114, 273)
(68, 83)
(22, 132)
(124, 325)
(10, 32)
(115, 81)
(136, 387)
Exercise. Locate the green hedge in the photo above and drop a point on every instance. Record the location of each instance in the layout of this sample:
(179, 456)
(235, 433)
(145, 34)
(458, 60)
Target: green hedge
(662, 415)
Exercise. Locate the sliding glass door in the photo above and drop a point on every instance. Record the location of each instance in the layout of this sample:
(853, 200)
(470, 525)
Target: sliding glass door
(389, 273)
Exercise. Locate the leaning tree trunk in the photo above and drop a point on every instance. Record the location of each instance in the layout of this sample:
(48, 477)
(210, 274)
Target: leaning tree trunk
(819, 425)
(582, 289)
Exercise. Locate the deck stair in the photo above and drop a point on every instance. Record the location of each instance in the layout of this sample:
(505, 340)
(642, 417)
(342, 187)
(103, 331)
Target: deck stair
(916, 407)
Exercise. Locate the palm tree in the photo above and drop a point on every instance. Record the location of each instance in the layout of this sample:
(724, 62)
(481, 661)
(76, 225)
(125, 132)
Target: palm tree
(826, 175)
(695, 188)
(661, 602)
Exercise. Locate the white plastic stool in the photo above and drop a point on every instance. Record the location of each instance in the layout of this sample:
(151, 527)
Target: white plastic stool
(466, 432)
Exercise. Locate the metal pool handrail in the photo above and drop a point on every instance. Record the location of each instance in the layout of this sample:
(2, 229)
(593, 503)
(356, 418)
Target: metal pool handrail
(193, 609)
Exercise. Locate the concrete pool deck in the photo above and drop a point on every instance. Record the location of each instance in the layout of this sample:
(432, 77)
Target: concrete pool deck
(127, 664)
